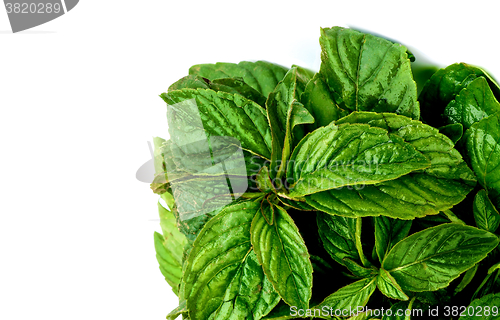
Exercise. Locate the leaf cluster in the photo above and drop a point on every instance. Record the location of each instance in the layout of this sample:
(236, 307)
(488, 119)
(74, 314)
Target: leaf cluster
(301, 194)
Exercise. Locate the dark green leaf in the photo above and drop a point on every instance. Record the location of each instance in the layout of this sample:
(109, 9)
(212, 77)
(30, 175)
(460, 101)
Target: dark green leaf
(388, 232)
(283, 254)
(222, 277)
(263, 76)
(389, 287)
(442, 88)
(229, 85)
(367, 72)
(285, 113)
(485, 213)
(338, 235)
(468, 276)
(238, 86)
(352, 296)
(441, 186)
(483, 151)
(337, 156)
(453, 131)
(484, 308)
(430, 259)
(473, 103)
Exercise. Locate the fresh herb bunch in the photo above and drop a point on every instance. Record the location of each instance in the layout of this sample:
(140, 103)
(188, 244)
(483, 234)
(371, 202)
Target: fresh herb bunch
(295, 194)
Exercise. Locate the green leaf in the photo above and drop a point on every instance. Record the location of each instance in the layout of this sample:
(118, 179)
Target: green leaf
(191, 81)
(484, 308)
(284, 257)
(295, 203)
(263, 180)
(338, 235)
(320, 102)
(360, 271)
(443, 87)
(441, 186)
(337, 156)
(285, 113)
(453, 131)
(402, 308)
(222, 114)
(468, 276)
(169, 267)
(352, 296)
(484, 153)
(485, 213)
(222, 277)
(473, 103)
(388, 232)
(389, 287)
(284, 312)
(367, 72)
(229, 85)
(169, 248)
(430, 259)
(263, 76)
(267, 210)
(181, 309)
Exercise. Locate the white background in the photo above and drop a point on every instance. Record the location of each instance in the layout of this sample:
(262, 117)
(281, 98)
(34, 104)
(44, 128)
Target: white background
(79, 101)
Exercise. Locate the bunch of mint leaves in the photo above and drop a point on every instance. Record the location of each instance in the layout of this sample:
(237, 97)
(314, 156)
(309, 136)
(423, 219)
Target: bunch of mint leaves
(294, 194)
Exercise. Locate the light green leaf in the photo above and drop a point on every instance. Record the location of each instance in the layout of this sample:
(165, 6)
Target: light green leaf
(222, 114)
(367, 72)
(485, 213)
(473, 103)
(181, 309)
(354, 295)
(484, 308)
(169, 248)
(388, 232)
(285, 113)
(430, 259)
(263, 76)
(443, 87)
(337, 156)
(222, 277)
(169, 266)
(338, 235)
(483, 151)
(284, 257)
(441, 186)
(389, 287)
(319, 100)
